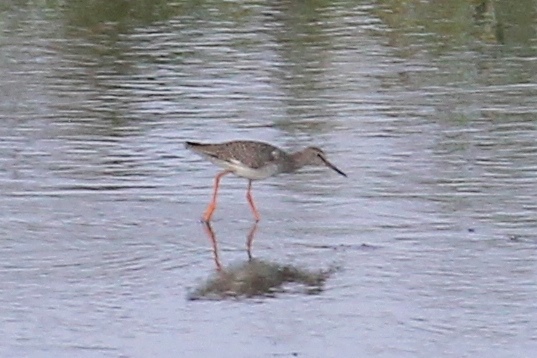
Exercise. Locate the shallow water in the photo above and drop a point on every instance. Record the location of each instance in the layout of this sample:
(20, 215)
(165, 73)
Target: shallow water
(432, 117)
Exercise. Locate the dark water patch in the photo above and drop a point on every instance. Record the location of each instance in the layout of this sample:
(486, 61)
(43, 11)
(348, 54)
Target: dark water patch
(260, 278)
(344, 247)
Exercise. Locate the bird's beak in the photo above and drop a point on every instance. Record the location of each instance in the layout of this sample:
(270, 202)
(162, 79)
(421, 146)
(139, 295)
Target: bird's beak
(332, 166)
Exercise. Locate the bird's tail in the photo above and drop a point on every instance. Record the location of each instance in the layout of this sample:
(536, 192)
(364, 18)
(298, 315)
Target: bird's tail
(192, 145)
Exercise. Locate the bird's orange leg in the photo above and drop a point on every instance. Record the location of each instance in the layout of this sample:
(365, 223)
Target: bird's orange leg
(251, 201)
(212, 205)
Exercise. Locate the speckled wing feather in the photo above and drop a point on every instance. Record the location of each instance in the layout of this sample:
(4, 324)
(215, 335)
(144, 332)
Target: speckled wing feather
(250, 153)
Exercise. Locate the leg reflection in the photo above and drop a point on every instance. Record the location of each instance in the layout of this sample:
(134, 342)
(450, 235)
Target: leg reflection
(209, 231)
(250, 240)
(214, 242)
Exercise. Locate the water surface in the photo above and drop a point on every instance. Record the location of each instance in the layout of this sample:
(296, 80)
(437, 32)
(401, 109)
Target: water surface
(429, 111)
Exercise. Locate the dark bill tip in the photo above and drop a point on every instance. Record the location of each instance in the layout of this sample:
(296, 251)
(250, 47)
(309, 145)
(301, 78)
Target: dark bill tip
(338, 171)
(332, 166)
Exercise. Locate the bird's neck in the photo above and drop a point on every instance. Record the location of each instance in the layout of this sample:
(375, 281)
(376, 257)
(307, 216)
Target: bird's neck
(298, 160)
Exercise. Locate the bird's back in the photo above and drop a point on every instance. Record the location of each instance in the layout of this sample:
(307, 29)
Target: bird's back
(252, 154)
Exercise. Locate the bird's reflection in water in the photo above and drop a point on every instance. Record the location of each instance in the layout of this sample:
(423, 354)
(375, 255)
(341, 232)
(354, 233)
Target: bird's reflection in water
(255, 277)
(210, 233)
